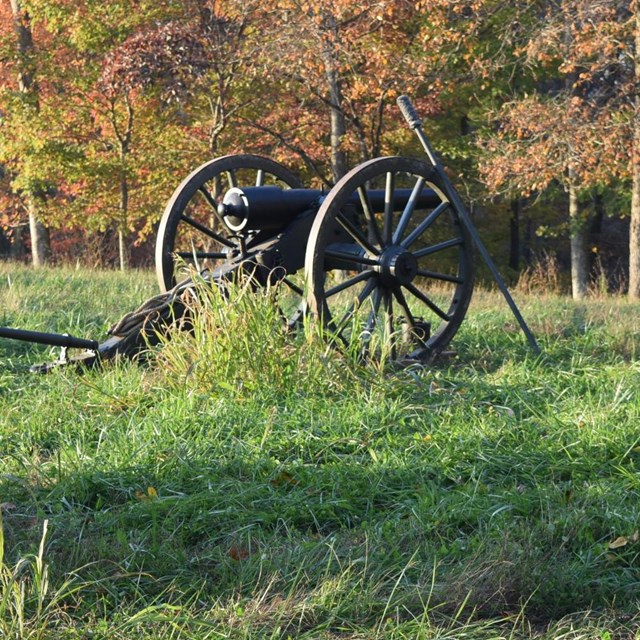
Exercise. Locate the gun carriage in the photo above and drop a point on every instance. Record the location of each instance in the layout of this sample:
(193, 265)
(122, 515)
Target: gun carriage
(382, 260)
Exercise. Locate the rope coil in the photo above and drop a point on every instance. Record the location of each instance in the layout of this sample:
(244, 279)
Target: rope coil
(150, 310)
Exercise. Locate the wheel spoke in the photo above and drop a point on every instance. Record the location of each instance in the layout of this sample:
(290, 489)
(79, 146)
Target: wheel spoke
(367, 332)
(231, 176)
(373, 314)
(414, 330)
(388, 207)
(201, 255)
(345, 284)
(356, 235)
(408, 210)
(369, 214)
(350, 257)
(439, 276)
(364, 294)
(209, 198)
(404, 305)
(424, 225)
(388, 321)
(441, 246)
(294, 287)
(424, 298)
(207, 232)
(260, 178)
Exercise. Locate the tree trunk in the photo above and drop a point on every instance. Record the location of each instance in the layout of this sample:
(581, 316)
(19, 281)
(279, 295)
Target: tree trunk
(123, 251)
(634, 229)
(514, 234)
(124, 214)
(338, 127)
(40, 244)
(579, 253)
(596, 266)
(634, 226)
(338, 120)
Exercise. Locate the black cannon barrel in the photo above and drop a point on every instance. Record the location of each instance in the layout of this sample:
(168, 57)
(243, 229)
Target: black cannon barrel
(268, 208)
(54, 339)
(272, 208)
(427, 199)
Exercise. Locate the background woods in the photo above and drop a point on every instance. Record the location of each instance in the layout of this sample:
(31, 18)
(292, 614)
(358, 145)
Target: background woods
(104, 108)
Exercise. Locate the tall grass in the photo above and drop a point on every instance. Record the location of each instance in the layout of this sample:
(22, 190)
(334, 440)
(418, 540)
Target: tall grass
(239, 342)
(30, 607)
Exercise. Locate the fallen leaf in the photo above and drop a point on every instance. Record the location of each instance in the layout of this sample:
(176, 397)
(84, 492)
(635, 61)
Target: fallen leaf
(238, 553)
(284, 478)
(620, 541)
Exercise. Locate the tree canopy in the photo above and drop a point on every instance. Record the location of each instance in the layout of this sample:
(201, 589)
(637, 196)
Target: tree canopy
(104, 107)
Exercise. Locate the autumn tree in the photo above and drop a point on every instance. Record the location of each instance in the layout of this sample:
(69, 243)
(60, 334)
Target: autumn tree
(229, 78)
(334, 69)
(119, 74)
(634, 227)
(161, 61)
(20, 124)
(474, 64)
(581, 131)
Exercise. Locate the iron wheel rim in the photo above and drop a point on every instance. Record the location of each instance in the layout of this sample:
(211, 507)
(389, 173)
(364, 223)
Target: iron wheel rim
(387, 247)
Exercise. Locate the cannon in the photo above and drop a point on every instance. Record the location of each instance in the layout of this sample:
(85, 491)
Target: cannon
(383, 260)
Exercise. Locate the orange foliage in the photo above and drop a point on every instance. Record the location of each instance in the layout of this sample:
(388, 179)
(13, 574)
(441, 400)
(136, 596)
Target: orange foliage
(582, 130)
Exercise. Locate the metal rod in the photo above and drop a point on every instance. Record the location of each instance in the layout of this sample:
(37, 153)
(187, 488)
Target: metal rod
(415, 123)
(54, 339)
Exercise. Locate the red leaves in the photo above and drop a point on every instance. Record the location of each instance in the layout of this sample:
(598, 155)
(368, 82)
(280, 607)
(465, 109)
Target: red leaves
(170, 56)
(581, 130)
(238, 553)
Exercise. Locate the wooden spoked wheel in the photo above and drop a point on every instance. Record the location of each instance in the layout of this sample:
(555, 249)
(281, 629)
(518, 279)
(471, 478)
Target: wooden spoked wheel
(392, 275)
(191, 235)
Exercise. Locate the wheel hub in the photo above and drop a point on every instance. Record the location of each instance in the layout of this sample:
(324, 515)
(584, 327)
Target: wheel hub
(397, 266)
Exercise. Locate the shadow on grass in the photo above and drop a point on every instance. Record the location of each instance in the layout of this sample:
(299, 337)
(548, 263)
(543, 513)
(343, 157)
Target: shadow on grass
(501, 522)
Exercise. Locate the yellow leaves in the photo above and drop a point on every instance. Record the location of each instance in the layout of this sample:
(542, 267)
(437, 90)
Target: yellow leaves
(623, 541)
(149, 496)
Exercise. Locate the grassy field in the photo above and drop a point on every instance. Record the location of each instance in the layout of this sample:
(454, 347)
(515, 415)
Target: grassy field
(246, 483)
